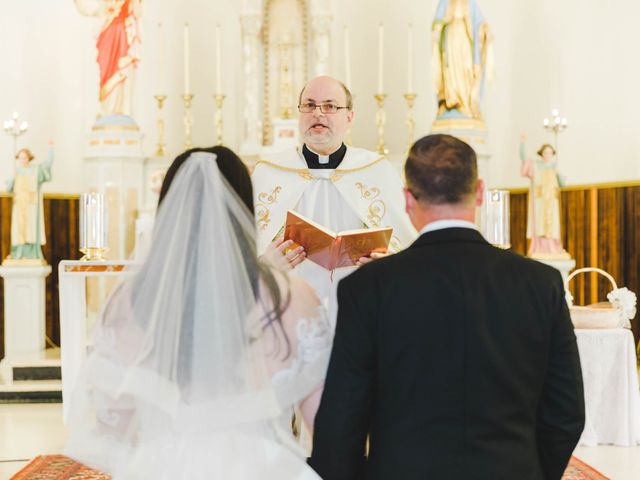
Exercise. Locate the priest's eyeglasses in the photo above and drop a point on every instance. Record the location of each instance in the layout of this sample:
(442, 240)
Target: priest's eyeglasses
(324, 107)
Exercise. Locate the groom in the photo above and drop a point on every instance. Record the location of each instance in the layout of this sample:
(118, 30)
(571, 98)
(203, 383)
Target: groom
(456, 359)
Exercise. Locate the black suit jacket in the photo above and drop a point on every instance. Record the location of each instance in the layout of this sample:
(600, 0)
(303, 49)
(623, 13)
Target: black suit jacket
(458, 360)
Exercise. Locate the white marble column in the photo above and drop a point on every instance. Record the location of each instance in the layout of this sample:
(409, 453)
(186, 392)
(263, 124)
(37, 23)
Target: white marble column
(251, 23)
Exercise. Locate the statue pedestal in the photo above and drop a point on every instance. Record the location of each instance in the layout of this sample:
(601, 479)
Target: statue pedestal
(116, 167)
(473, 132)
(285, 135)
(24, 315)
(563, 265)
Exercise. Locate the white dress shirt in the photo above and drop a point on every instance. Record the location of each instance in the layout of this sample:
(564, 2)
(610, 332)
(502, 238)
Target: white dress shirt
(449, 223)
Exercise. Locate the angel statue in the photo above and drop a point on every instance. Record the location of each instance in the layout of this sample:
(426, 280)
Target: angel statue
(543, 219)
(27, 217)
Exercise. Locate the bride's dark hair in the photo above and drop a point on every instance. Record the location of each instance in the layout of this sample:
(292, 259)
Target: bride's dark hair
(237, 176)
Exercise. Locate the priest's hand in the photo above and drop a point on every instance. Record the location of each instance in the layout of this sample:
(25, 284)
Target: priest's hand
(281, 254)
(370, 258)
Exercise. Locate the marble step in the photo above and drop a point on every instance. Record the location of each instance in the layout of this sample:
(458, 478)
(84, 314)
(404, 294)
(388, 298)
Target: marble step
(36, 372)
(31, 391)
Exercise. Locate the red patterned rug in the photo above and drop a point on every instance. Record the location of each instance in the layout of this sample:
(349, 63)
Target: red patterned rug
(578, 470)
(59, 467)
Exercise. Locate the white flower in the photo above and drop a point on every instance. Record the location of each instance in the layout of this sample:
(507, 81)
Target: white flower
(569, 298)
(625, 300)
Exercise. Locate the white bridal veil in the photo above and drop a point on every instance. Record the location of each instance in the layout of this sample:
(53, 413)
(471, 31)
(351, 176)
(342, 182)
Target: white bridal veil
(177, 384)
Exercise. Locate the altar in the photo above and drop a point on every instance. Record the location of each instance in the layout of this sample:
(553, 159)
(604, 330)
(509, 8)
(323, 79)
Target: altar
(75, 331)
(611, 393)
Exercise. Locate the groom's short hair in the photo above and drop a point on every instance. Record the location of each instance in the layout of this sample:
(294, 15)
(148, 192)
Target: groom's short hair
(441, 169)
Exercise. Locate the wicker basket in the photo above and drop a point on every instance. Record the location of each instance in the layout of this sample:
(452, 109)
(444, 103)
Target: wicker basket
(597, 315)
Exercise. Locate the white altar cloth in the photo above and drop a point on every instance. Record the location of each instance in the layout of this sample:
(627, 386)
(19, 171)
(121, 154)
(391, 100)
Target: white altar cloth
(612, 396)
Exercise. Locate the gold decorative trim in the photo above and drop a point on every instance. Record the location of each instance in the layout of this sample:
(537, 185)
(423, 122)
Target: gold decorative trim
(377, 207)
(303, 172)
(341, 171)
(263, 211)
(574, 188)
(49, 196)
(131, 128)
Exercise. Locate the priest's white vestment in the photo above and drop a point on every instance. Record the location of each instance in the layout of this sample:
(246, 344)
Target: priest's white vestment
(363, 192)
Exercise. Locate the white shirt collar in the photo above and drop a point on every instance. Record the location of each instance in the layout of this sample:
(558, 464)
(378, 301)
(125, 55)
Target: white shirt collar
(449, 223)
(322, 159)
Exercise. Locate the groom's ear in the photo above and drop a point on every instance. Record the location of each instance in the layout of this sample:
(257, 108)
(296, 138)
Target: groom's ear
(409, 201)
(479, 192)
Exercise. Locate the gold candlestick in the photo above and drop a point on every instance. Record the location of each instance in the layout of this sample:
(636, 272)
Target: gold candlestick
(380, 122)
(411, 122)
(187, 119)
(161, 150)
(219, 98)
(347, 139)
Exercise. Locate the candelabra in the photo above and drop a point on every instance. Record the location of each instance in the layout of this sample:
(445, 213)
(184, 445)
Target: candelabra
(380, 122)
(161, 150)
(556, 124)
(15, 129)
(187, 119)
(411, 122)
(219, 98)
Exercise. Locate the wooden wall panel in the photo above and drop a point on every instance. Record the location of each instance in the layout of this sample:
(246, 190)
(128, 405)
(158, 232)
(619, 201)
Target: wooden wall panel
(575, 227)
(518, 222)
(61, 225)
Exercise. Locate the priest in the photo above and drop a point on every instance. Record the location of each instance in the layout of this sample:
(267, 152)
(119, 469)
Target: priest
(337, 186)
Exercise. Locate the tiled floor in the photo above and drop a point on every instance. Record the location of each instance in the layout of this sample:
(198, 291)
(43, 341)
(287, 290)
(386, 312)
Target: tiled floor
(30, 430)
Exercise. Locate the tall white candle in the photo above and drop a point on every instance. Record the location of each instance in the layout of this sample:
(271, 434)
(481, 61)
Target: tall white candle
(410, 59)
(160, 63)
(218, 62)
(186, 58)
(347, 58)
(380, 58)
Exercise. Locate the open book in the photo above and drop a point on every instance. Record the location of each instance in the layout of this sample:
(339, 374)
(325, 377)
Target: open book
(333, 250)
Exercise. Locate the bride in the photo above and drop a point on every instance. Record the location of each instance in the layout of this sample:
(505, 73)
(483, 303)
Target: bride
(200, 357)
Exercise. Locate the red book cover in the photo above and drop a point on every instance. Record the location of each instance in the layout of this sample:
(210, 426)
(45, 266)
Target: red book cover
(334, 250)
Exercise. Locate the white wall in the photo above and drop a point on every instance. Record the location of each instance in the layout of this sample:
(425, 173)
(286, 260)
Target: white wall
(574, 55)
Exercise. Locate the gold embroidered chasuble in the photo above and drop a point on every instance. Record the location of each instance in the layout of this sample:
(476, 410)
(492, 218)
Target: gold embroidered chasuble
(367, 183)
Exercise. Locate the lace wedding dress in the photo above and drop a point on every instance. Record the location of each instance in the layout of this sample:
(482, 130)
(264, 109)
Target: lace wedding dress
(200, 358)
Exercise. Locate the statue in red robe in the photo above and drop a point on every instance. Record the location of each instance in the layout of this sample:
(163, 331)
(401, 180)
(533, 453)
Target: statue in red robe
(116, 44)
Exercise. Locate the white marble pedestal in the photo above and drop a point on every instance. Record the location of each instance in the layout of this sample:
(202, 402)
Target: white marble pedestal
(475, 133)
(285, 135)
(563, 265)
(24, 315)
(115, 166)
